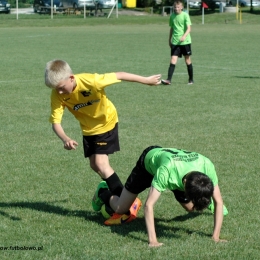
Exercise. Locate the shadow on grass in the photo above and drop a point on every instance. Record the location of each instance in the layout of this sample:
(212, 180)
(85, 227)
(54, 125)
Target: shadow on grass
(161, 226)
(8, 216)
(247, 77)
(48, 208)
(129, 229)
(137, 227)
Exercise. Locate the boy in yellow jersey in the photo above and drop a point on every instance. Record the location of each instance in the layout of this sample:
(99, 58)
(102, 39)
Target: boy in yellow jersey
(189, 175)
(84, 96)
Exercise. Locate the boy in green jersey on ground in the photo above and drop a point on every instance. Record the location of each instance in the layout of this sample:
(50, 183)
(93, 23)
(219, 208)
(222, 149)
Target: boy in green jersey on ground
(189, 175)
(179, 41)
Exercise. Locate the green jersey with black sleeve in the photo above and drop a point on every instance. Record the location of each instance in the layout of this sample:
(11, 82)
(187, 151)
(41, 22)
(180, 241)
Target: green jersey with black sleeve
(170, 165)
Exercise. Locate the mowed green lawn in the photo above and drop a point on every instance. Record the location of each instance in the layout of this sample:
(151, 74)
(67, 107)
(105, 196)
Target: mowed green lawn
(46, 191)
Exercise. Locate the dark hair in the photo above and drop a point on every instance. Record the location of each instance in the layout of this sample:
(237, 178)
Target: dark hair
(199, 189)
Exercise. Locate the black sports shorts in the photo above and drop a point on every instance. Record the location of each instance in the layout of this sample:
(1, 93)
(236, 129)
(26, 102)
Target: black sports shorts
(179, 50)
(140, 179)
(106, 143)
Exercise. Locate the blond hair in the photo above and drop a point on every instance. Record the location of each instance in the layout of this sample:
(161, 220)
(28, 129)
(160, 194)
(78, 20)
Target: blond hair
(56, 71)
(177, 2)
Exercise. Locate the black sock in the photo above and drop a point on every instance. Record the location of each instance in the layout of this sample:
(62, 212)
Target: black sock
(114, 184)
(171, 71)
(105, 195)
(190, 71)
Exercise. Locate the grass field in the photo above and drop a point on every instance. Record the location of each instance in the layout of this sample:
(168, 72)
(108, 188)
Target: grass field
(46, 191)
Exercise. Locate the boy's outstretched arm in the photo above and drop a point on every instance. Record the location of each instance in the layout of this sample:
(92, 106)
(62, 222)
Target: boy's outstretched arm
(149, 216)
(218, 214)
(69, 144)
(151, 80)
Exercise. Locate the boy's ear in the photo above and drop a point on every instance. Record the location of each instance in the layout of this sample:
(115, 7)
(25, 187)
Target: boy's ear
(72, 78)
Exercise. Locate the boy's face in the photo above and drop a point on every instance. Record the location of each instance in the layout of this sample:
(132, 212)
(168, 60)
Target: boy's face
(66, 86)
(177, 8)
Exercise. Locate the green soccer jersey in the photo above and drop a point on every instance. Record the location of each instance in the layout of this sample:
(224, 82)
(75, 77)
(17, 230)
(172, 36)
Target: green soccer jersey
(179, 24)
(170, 165)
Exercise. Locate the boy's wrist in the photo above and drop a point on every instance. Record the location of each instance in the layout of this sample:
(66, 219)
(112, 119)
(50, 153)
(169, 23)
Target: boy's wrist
(216, 239)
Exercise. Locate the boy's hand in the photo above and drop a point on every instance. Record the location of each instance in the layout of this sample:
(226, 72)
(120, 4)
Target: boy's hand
(70, 145)
(155, 244)
(154, 80)
(182, 39)
(219, 240)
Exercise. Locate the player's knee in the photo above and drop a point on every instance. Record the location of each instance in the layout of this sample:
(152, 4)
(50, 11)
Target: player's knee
(93, 166)
(97, 165)
(189, 209)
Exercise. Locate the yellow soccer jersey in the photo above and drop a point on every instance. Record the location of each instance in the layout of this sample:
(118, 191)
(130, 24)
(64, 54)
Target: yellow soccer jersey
(88, 103)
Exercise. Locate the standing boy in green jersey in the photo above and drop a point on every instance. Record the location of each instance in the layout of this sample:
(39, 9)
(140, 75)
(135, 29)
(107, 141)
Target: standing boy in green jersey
(179, 41)
(84, 96)
(189, 175)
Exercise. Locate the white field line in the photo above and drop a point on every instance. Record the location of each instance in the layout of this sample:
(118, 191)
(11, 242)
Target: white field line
(40, 35)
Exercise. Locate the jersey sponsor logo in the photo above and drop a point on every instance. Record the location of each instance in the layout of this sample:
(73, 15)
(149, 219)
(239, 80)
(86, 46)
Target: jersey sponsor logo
(86, 93)
(89, 103)
(182, 155)
(102, 143)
